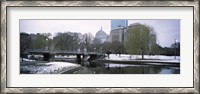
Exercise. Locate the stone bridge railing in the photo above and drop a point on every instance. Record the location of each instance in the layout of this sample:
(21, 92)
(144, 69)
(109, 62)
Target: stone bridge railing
(82, 56)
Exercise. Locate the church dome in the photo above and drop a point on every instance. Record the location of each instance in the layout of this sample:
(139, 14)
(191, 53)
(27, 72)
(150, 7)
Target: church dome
(101, 35)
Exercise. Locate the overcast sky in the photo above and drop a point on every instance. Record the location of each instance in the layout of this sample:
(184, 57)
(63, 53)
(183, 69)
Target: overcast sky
(167, 30)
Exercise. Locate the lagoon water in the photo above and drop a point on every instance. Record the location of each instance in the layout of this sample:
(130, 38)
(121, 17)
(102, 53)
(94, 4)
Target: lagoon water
(128, 69)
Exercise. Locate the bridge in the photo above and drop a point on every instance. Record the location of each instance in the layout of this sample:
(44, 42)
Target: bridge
(82, 56)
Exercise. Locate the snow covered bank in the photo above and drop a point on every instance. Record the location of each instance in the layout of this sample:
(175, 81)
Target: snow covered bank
(25, 59)
(48, 68)
(132, 57)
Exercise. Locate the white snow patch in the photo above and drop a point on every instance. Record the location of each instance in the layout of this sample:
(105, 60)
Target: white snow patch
(25, 59)
(49, 68)
(132, 57)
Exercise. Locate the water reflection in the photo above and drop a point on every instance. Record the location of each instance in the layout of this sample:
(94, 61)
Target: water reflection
(113, 68)
(129, 69)
(166, 71)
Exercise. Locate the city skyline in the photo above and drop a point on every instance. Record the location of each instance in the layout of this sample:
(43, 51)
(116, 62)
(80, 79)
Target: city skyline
(167, 30)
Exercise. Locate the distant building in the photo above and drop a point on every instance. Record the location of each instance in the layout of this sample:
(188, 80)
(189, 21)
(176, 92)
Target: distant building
(108, 38)
(118, 34)
(118, 30)
(100, 37)
(118, 23)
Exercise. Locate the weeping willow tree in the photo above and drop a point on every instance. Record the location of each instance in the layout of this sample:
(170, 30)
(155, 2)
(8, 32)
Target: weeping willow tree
(141, 39)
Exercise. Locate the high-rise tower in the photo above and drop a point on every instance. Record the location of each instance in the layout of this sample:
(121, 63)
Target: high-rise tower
(118, 23)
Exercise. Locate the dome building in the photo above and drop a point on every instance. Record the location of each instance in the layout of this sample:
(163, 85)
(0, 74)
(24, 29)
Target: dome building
(101, 36)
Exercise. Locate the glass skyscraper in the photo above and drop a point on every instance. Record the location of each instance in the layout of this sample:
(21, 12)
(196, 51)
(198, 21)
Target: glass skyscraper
(118, 23)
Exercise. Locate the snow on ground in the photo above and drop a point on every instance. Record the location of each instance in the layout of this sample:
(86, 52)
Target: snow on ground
(25, 59)
(48, 68)
(132, 57)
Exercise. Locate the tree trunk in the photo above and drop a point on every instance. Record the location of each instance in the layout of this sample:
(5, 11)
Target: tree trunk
(142, 55)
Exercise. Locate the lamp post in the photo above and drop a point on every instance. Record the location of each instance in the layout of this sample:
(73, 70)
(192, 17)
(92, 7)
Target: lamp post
(94, 49)
(100, 49)
(157, 46)
(73, 46)
(46, 48)
(78, 47)
(51, 48)
(175, 48)
(86, 42)
(51, 44)
(85, 49)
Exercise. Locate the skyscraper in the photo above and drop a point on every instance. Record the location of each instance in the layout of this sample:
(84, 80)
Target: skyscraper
(118, 30)
(118, 23)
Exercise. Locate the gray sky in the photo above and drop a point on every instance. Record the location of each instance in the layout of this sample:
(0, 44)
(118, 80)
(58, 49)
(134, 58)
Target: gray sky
(167, 30)
(54, 26)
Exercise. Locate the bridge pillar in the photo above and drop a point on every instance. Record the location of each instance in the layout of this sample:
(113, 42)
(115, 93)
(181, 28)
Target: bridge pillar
(52, 56)
(85, 61)
(46, 56)
(92, 57)
(78, 58)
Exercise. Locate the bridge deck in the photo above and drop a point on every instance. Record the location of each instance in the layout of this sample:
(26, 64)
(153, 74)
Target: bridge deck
(63, 52)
